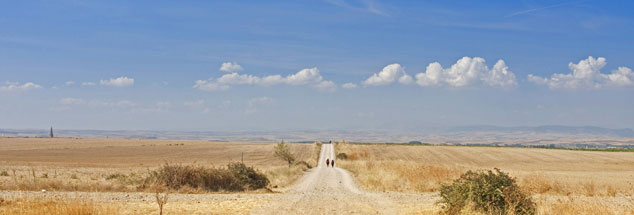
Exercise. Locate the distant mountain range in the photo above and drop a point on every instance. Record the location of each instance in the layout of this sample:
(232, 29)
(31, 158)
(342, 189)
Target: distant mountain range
(438, 134)
(582, 130)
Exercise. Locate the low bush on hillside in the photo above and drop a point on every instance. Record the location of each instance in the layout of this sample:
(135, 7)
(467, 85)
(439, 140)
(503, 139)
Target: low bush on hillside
(489, 192)
(235, 177)
(342, 156)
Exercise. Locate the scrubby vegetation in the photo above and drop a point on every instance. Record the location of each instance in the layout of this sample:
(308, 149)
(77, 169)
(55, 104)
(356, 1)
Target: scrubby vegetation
(283, 151)
(235, 177)
(67, 206)
(342, 156)
(283, 176)
(393, 175)
(490, 192)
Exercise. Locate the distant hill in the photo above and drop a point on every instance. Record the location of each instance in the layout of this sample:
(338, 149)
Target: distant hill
(584, 130)
(481, 133)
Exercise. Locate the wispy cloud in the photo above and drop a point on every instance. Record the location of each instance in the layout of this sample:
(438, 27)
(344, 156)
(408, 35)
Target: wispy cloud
(17, 87)
(522, 12)
(254, 104)
(124, 106)
(369, 6)
(349, 86)
(84, 84)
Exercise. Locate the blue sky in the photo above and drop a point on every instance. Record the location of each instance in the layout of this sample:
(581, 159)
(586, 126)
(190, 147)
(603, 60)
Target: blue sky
(333, 64)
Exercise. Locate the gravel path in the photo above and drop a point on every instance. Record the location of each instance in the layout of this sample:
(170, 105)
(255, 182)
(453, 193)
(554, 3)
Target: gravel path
(328, 190)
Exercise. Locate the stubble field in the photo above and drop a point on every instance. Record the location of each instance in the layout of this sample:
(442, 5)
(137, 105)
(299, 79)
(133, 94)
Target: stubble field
(102, 176)
(561, 181)
(105, 174)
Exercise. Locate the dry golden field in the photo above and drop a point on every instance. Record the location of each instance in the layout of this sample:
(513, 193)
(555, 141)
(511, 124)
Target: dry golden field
(127, 153)
(70, 164)
(101, 176)
(561, 181)
(107, 172)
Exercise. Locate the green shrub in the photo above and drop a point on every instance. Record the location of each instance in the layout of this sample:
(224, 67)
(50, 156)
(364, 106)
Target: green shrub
(490, 192)
(4, 173)
(247, 176)
(236, 177)
(342, 156)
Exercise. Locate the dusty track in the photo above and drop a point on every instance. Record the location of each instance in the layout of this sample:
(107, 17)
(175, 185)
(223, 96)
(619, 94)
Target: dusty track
(328, 190)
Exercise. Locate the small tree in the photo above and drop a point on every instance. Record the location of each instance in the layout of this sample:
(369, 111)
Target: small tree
(161, 199)
(283, 151)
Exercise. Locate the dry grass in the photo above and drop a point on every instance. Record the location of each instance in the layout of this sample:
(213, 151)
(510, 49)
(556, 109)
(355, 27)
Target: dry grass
(128, 153)
(284, 176)
(541, 171)
(394, 175)
(564, 182)
(585, 206)
(53, 206)
(98, 165)
(129, 203)
(400, 176)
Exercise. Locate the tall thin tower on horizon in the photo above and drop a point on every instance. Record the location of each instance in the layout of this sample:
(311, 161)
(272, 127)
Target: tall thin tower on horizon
(50, 134)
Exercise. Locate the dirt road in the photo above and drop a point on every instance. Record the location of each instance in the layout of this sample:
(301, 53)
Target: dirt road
(327, 190)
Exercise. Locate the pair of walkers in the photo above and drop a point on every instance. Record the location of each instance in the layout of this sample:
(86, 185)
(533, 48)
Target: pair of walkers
(330, 162)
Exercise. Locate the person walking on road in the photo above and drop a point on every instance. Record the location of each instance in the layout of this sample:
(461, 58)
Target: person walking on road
(327, 162)
(332, 163)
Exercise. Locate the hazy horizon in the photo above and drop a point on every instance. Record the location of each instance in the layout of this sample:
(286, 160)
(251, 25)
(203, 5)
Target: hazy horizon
(318, 65)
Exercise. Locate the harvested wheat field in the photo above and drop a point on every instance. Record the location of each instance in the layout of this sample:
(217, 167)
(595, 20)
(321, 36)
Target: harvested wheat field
(109, 176)
(75, 164)
(561, 181)
(129, 153)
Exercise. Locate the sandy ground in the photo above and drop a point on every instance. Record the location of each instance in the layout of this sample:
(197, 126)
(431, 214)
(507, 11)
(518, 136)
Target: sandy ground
(323, 190)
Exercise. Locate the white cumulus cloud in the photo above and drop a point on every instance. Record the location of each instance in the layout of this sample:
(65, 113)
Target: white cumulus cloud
(17, 87)
(304, 76)
(349, 86)
(118, 82)
(467, 72)
(389, 74)
(326, 86)
(308, 76)
(235, 78)
(209, 86)
(231, 67)
(587, 75)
